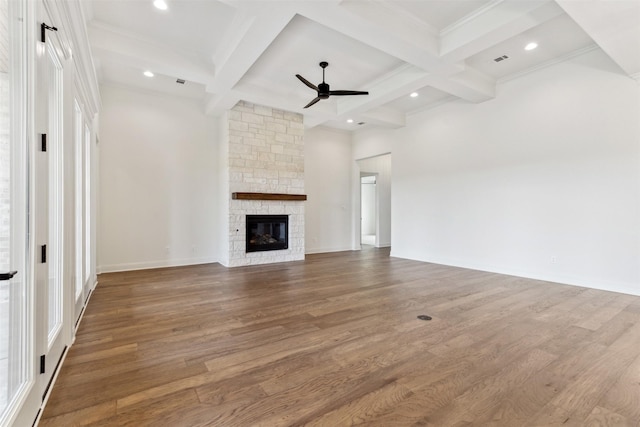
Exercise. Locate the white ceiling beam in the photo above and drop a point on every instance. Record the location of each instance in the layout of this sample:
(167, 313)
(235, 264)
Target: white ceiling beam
(320, 113)
(240, 26)
(257, 95)
(244, 43)
(382, 28)
(613, 25)
(470, 85)
(496, 23)
(401, 82)
(217, 103)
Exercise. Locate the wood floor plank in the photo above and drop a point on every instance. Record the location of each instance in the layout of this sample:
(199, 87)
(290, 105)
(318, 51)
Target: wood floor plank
(606, 313)
(588, 386)
(477, 402)
(148, 375)
(156, 412)
(624, 397)
(336, 340)
(83, 417)
(524, 403)
(365, 408)
(601, 417)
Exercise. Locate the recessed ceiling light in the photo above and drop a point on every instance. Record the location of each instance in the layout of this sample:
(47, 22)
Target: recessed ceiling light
(148, 73)
(349, 120)
(160, 4)
(414, 94)
(531, 46)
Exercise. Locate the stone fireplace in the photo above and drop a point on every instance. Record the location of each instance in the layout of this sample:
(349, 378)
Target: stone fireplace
(265, 156)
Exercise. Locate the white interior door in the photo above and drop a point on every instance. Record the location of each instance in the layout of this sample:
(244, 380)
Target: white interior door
(82, 221)
(15, 292)
(34, 308)
(86, 214)
(48, 209)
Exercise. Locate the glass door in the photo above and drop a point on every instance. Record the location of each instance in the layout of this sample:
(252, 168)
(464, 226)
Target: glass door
(48, 206)
(14, 289)
(81, 291)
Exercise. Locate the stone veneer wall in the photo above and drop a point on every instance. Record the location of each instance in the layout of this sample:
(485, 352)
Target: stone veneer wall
(266, 155)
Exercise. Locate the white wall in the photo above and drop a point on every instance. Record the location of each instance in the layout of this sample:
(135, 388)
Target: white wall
(158, 181)
(381, 166)
(543, 181)
(224, 193)
(328, 170)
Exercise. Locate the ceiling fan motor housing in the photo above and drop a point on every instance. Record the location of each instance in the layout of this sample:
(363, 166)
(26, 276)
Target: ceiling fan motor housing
(323, 90)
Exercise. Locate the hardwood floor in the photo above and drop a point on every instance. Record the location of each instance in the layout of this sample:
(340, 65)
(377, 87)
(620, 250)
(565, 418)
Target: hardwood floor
(335, 340)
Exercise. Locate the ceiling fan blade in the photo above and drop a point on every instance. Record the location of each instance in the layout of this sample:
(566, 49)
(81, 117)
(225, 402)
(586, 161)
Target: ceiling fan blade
(348, 92)
(307, 82)
(316, 99)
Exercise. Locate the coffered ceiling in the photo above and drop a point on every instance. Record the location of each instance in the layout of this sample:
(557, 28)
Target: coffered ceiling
(443, 50)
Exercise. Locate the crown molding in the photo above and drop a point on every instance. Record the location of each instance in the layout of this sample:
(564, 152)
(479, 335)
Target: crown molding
(192, 55)
(549, 63)
(151, 92)
(392, 7)
(72, 32)
(470, 17)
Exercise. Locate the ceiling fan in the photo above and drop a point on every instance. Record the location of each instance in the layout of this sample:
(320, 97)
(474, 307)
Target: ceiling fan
(323, 88)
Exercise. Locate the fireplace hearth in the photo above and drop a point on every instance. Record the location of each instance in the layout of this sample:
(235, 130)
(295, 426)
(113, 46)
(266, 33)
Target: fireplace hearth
(267, 232)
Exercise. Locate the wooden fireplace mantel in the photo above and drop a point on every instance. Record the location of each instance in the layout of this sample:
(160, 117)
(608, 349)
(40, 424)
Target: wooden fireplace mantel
(269, 196)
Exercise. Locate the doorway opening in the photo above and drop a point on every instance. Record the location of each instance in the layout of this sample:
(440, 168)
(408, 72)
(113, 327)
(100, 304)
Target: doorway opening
(368, 209)
(374, 226)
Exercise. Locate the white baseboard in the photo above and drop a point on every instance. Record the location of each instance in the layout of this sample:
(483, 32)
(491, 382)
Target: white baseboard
(585, 282)
(146, 265)
(310, 251)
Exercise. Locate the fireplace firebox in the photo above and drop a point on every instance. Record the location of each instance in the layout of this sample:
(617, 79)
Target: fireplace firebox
(267, 232)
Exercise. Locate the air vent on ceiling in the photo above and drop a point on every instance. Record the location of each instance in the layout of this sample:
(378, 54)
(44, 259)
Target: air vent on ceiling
(180, 81)
(501, 58)
(361, 123)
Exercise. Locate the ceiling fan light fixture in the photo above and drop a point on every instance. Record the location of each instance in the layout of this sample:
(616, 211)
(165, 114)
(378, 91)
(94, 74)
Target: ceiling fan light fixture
(531, 46)
(160, 4)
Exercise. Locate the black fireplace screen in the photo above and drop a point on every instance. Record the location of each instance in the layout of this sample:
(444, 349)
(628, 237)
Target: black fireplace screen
(267, 232)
